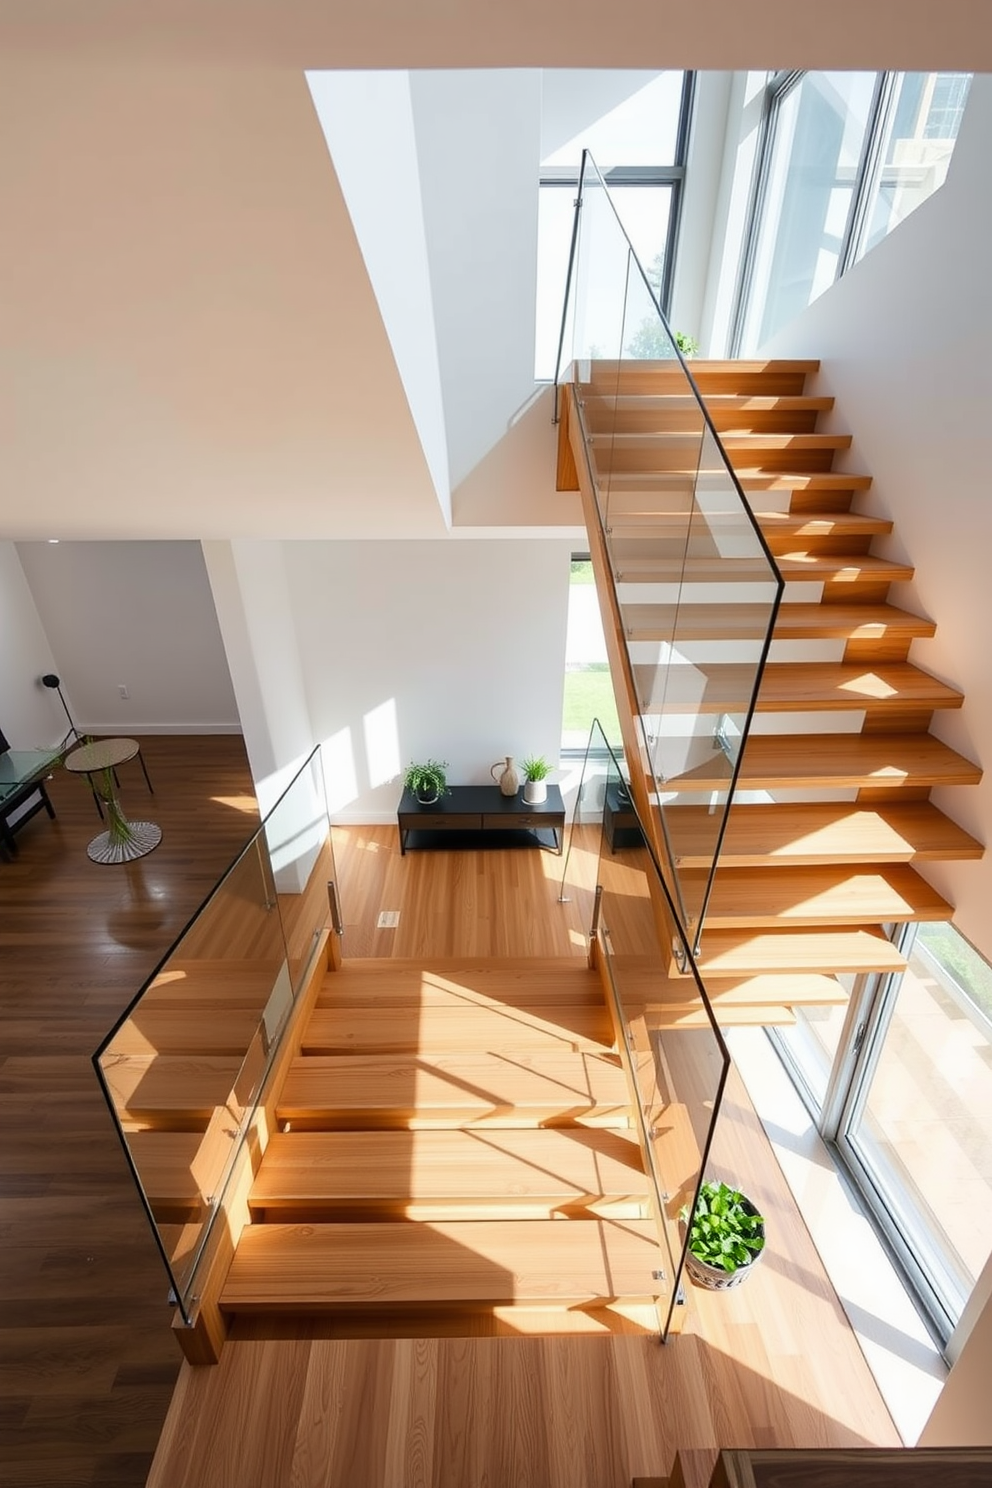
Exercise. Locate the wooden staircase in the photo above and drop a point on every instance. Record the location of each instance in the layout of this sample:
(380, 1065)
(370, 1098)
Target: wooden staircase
(454, 1154)
(832, 822)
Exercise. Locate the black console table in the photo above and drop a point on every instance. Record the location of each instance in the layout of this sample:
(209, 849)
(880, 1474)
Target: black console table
(620, 822)
(479, 815)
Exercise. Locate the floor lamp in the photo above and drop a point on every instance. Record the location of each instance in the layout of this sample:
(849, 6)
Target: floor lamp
(50, 680)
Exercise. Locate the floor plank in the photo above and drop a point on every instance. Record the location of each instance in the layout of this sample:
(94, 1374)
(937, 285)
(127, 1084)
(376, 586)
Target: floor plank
(86, 1360)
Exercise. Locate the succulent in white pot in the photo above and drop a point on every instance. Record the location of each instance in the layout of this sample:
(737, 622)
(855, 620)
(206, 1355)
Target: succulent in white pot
(535, 770)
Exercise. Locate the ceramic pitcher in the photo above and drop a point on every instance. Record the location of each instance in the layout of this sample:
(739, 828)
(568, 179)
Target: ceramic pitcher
(508, 780)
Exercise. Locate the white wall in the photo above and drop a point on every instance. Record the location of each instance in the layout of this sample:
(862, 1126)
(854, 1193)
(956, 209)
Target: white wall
(478, 137)
(451, 649)
(904, 340)
(961, 1416)
(367, 119)
(31, 716)
(251, 593)
(138, 614)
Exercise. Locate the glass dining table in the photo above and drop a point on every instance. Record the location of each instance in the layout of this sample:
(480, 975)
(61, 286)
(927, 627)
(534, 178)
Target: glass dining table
(23, 773)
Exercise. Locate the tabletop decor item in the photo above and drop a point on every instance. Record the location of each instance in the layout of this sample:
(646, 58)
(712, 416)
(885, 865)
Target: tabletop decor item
(508, 780)
(428, 782)
(536, 771)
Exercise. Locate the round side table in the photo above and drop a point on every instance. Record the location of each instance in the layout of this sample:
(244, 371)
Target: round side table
(124, 840)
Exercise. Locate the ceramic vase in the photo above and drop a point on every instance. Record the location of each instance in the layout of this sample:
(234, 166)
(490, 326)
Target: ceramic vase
(508, 779)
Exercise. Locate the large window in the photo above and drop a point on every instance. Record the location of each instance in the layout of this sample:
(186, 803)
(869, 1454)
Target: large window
(640, 146)
(588, 683)
(901, 1084)
(845, 157)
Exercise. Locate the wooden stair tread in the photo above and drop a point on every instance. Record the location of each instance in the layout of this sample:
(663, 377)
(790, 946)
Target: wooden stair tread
(165, 1161)
(637, 510)
(388, 1090)
(806, 989)
(446, 1263)
(179, 1170)
(848, 761)
(728, 412)
(212, 983)
(642, 983)
(790, 686)
(735, 377)
(165, 1029)
(770, 897)
(837, 568)
(752, 482)
(440, 984)
(733, 441)
(810, 524)
(692, 622)
(808, 833)
(436, 1029)
(766, 1016)
(395, 1169)
(741, 952)
(165, 1088)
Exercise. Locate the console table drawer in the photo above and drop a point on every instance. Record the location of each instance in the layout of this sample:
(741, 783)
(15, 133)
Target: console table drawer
(448, 821)
(504, 821)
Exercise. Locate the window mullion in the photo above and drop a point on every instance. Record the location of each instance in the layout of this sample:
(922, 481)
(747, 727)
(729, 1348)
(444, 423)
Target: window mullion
(869, 169)
(864, 998)
(775, 91)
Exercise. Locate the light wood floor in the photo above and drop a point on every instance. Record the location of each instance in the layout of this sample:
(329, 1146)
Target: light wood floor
(773, 1363)
(87, 1363)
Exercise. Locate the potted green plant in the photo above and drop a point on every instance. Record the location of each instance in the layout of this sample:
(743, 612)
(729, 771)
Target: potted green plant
(535, 772)
(687, 345)
(726, 1236)
(428, 782)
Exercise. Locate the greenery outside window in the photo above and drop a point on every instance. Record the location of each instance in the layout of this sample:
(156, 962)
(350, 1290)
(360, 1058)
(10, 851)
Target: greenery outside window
(588, 682)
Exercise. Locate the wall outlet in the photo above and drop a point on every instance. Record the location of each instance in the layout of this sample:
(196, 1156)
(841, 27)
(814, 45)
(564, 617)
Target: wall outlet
(122, 689)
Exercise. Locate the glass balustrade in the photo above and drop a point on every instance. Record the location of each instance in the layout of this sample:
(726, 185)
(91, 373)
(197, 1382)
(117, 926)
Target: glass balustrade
(673, 1051)
(693, 590)
(183, 1069)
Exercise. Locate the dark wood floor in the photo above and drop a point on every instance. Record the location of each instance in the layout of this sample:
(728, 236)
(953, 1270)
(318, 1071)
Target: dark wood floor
(87, 1363)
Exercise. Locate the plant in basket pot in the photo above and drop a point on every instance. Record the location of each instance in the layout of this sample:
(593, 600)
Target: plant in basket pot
(535, 772)
(726, 1236)
(428, 782)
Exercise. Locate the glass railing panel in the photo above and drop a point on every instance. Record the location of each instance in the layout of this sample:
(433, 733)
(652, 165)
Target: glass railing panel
(698, 689)
(183, 1069)
(298, 839)
(695, 587)
(675, 1057)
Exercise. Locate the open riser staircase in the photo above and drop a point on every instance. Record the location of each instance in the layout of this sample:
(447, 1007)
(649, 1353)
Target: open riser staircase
(832, 822)
(454, 1153)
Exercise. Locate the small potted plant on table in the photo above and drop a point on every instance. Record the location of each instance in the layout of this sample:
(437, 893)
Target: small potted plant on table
(726, 1237)
(428, 782)
(535, 772)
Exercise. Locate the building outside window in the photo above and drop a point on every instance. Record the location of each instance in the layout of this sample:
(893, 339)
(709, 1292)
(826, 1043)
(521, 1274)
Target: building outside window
(845, 157)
